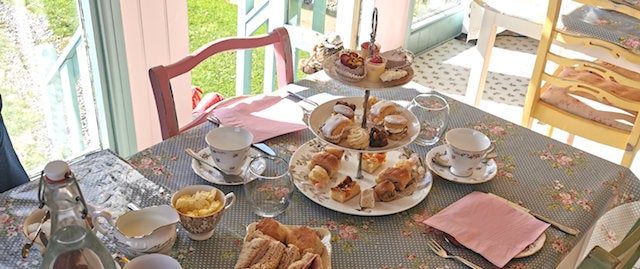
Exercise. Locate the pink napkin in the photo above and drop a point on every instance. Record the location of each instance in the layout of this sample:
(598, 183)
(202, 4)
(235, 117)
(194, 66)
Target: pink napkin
(488, 226)
(265, 116)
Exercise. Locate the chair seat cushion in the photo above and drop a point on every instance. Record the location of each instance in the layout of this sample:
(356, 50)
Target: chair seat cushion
(608, 25)
(583, 105)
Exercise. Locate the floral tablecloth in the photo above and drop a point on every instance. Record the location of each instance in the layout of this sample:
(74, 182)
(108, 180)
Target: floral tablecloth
(547, 176)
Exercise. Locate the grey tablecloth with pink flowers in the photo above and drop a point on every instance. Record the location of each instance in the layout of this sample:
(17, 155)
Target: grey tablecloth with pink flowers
(545, 175)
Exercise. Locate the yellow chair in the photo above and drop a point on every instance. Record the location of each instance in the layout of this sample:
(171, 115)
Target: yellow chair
(592, 99)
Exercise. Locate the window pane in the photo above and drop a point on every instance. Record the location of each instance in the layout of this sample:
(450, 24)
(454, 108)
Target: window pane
(48, 100)
(424, 9)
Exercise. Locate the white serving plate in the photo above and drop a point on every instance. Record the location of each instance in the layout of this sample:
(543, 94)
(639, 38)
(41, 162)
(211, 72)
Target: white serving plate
(319, 116)
(348, 167)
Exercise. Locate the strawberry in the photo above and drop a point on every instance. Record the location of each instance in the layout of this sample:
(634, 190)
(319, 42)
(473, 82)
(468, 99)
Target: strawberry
(376, 60)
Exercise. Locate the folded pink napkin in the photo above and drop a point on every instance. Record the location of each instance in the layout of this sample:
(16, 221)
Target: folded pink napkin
(265, 116)
(488, 226)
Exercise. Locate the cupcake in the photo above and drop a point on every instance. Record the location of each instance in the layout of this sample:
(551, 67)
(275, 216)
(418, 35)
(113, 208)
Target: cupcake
(335, 127)
(374, 67)
(350, 67)
(398, 58)
(378, 137)
(396, 126)
(358, 138)
(364, 49)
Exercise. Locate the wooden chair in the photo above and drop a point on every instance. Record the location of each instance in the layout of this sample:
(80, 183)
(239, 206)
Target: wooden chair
(558, 98)
(161, 76)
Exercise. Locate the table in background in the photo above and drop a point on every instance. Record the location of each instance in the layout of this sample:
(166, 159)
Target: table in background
(555, 179)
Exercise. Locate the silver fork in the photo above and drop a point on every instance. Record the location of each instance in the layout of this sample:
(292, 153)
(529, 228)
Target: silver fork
(440, 251)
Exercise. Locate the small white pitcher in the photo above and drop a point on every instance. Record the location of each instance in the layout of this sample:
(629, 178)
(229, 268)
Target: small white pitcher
(149, 230)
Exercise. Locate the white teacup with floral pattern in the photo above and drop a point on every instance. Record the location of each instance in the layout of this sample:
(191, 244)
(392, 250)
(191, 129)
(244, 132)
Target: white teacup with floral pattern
(229, 148)
(465, 149)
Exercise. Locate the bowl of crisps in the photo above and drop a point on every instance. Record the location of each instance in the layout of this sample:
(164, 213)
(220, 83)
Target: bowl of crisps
(200, 208)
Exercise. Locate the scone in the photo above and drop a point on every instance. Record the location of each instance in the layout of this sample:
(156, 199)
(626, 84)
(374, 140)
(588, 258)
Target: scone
(335, 126)
(345, 190)
(358, 138)
(326, 160)
(396, 126)
(319, 176)
(372, 161)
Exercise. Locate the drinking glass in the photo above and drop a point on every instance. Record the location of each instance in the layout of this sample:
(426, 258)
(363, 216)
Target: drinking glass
(432, 111)
(268, 185)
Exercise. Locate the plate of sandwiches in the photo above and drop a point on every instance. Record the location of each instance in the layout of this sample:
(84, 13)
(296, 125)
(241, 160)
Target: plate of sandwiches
(389, 125)
(391, 182)
(271, 244)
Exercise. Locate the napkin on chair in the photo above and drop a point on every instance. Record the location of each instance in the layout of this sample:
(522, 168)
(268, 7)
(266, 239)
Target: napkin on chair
(488, 226)
(264, 116)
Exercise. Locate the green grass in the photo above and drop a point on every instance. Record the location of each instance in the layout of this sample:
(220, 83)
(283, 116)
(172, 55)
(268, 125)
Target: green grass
(210, 20)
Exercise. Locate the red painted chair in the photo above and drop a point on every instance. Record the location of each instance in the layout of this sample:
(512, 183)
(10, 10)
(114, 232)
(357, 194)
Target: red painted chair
(161, 76)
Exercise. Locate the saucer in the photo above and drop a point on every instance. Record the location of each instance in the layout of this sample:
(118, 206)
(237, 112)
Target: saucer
(212, 175)
(481, 173)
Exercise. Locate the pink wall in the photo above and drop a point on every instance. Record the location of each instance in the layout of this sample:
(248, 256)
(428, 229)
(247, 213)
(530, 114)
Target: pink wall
(156, 32)
(392, 23)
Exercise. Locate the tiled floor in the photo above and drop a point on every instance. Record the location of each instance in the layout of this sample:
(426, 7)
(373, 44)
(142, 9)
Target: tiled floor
(446, 69)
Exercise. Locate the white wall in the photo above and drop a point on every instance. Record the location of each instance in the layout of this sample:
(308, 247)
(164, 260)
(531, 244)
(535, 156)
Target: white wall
(156, 32)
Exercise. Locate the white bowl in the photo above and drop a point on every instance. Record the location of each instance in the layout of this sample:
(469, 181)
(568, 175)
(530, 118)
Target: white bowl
(153, 261)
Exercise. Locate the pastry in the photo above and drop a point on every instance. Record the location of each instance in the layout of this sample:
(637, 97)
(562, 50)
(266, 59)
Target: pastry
(271, 257)
(344, 103)
(358, 138)
(319, 176)
(345, 190)
(326, 160)
(396, 126)
(378, 137)
(306, 239)
(350, 66)
(385, 191)
(393, 74)
(338, 152)
(344, 110)
(382, 109)
(398, 58)
(367, 198)
(272, 228)
(252, 251)
(364, 49)
(335, 126)
(374, 67)
(399, 176)
(372, 161)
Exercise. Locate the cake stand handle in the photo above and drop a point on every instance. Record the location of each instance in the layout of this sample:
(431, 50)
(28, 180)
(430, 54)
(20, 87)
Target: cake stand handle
(365, 105)
(374, 30)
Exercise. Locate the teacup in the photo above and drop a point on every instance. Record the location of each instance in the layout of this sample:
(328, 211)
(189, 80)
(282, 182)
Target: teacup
(229, 148)
(465, 149)
(148, 230)
(202, 227)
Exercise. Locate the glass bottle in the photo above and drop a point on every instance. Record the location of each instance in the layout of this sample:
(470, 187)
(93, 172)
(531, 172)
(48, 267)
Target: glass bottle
(72, 244)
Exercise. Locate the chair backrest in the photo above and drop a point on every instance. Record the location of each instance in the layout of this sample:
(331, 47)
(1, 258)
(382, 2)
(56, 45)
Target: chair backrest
(12, 173)
(160, 76)
(580, 77)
